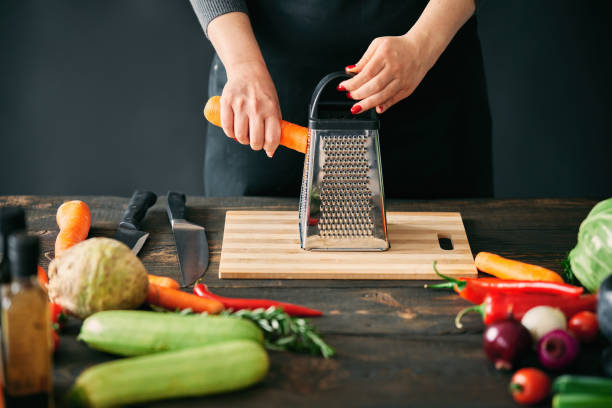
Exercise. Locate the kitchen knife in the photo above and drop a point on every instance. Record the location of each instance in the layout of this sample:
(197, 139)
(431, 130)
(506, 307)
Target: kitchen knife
(129, 228)
(190, 239)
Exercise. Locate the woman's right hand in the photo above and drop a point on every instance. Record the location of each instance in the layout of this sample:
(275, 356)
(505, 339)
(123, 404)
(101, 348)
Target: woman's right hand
(250, 112)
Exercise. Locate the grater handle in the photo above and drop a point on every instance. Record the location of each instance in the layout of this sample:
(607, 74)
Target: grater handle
(316, 95)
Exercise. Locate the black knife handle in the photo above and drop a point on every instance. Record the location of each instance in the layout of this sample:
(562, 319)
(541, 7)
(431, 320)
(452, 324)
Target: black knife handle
(140, 202)
(176, 205)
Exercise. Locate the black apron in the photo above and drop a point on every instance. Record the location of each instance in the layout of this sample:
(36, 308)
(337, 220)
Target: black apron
(435, 143)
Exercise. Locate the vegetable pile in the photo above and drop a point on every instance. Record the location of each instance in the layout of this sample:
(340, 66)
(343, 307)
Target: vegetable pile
(189, 345)
(527, 307)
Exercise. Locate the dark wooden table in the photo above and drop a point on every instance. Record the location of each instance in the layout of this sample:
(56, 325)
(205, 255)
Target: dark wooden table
(396, 341)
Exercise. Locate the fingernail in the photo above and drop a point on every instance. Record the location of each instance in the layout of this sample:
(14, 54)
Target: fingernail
(379, 109)
(355, 109)
(341, 88)
(350, 67)
(348, 95)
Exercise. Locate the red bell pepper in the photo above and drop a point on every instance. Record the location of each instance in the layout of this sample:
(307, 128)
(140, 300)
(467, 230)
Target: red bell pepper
(476, 289)
(201, 290)
(499, 306)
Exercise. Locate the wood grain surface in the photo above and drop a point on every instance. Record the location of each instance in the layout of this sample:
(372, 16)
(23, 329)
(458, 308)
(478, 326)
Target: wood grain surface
(396, 342)
(266, 245)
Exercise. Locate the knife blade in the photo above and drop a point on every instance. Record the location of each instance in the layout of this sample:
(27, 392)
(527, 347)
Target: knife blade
(129, 228)
(190, 239)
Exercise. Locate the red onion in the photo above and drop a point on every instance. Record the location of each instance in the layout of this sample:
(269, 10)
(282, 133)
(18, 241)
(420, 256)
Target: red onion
(557, 349)
(504, 342)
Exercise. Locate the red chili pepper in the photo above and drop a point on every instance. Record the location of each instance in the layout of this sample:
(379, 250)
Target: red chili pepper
(238, 304)
(57, 315)
(499, 306)
(476, 289)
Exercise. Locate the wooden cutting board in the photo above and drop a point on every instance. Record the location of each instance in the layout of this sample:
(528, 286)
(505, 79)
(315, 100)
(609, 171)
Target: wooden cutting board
(266, 245)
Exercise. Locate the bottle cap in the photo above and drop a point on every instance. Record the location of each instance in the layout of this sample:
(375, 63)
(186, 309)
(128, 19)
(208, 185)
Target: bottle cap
(23, 250)
(12, 219)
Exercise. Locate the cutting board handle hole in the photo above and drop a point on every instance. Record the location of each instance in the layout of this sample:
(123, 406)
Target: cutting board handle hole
(445, 242)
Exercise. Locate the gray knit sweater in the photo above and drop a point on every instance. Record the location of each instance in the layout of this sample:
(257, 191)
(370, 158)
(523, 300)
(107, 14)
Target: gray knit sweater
(207, 10)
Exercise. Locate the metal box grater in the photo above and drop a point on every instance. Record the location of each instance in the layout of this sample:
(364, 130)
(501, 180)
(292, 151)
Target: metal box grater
(342, 199)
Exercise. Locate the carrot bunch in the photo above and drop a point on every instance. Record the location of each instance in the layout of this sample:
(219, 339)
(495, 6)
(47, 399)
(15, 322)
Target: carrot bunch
(74, 221)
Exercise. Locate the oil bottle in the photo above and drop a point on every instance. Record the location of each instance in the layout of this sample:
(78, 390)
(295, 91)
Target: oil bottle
(25, 328)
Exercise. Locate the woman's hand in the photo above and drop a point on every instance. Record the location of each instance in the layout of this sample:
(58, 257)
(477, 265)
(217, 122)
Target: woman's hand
(250, 112)
(389, 71)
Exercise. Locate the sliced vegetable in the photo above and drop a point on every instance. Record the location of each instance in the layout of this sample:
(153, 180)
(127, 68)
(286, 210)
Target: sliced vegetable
(475, 289)
(529, 386)
(591, 258)
(579, 384)
(292, 136)
(498, 306)
(97, 274)
(540, 320)
(557, 349)
(164, 281)
(136, 332)
(190, 372)
(74, 221)
(504, 342)
(582, 401)
(604, 308)
(504, 268)
(201, 290)
(173, 299)
(584, 326)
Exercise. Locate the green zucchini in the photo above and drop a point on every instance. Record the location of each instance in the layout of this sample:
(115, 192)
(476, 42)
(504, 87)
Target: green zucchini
(195, 371)
(580, 384)
(582, 401)
(133, 332)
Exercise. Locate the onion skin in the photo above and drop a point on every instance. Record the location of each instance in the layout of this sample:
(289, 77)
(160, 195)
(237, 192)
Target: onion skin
(557, 349)
(543, 319)
(504, 342)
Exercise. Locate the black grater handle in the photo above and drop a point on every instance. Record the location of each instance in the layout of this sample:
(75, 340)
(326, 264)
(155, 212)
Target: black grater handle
(316, 95)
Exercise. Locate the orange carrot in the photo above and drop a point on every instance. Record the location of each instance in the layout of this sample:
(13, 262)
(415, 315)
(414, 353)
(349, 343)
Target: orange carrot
(74, 220)
(508, 269)
(173, 299)
(292, 136)
(43, 279)
(164, 281)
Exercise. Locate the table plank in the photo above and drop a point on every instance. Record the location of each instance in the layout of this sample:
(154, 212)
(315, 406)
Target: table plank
(396, 341)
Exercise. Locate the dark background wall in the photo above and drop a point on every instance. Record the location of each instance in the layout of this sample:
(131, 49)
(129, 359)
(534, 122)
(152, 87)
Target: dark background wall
(101, 97)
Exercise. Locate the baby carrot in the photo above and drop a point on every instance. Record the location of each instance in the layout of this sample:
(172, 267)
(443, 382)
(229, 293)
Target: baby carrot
(292, 136)
(164, 281)
(74, 220)
(173, 299)
(508, 269)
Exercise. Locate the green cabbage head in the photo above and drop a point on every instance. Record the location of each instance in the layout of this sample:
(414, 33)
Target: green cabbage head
(591, 259)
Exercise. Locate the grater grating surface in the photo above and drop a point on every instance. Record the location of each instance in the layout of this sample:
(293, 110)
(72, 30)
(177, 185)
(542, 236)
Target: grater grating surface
(345, 195)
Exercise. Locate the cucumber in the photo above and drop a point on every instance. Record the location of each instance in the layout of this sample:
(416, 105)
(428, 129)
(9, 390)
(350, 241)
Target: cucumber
(195, 371)
(133, 332)
(580, 384)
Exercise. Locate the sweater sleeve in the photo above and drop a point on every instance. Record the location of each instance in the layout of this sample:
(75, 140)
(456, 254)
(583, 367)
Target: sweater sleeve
(208, 10)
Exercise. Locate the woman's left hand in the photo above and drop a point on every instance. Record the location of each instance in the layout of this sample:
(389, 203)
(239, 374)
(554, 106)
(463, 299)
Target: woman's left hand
(389, 71)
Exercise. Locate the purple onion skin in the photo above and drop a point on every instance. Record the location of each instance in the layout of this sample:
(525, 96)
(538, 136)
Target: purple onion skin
(557, 349)
(504, 342)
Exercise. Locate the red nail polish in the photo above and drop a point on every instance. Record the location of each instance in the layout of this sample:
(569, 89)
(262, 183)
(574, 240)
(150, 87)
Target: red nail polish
(355, 109)
(350, 67)
(341, 88)
(348, 95)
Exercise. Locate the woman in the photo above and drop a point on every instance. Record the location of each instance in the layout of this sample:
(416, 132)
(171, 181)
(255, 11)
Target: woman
(421, 70)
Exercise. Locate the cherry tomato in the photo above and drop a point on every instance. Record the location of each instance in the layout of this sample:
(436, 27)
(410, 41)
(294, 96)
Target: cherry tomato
(584, 326)
(529, 386)
(57, 315)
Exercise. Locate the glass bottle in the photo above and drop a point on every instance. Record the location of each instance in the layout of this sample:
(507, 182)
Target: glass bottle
(25, 328)
(12, 219)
